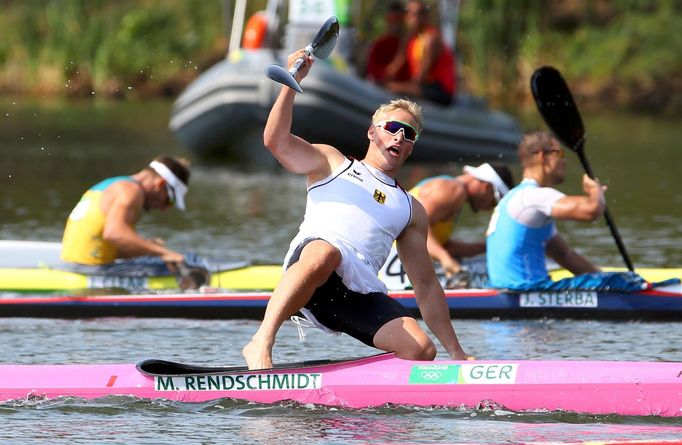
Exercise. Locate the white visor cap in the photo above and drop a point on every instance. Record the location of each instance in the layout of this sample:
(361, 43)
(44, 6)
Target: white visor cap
(485, 172)
(177, 188)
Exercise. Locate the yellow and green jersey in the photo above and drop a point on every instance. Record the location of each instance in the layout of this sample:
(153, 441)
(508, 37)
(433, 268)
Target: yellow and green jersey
(83, 242)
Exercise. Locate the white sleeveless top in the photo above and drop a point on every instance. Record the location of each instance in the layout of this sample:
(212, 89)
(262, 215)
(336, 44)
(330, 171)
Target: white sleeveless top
(361, 211)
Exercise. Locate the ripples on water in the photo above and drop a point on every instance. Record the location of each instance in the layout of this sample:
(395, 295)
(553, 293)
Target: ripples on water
(124, 420)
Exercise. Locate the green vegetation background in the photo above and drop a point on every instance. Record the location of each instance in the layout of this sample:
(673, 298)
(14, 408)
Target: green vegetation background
(618, 54)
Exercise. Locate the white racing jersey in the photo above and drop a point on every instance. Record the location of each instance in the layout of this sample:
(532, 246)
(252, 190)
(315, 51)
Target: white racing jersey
(360, 211)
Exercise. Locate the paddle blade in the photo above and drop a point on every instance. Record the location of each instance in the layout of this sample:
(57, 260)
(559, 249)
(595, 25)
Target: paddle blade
(324, 42)
(280, 75)
(556, 105)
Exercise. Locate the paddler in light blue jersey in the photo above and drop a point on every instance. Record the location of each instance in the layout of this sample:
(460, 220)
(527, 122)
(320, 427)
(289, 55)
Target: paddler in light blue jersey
(522, 229)
(101, 227)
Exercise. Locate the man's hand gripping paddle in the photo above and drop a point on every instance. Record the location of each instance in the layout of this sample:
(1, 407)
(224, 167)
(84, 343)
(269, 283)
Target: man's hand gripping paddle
(556, 105)
(321, 47)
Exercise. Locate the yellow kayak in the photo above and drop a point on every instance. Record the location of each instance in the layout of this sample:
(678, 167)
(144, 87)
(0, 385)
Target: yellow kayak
(652, 275)
(255, 277)
(33, 266)
(248, 278)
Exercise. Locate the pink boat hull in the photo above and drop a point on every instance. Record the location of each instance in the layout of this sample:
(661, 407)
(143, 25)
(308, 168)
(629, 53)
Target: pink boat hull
(624, 388)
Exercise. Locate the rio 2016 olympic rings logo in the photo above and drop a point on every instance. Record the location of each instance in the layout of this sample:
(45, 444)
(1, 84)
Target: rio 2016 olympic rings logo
(431, 375)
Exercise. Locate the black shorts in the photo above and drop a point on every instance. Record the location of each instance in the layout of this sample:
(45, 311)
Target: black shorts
(343, 310)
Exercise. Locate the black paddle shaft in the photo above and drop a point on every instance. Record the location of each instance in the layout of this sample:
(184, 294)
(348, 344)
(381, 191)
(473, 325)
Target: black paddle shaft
(607, 215)
(558, 109)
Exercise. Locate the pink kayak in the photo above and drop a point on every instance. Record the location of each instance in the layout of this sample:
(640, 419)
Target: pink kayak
(594, 387)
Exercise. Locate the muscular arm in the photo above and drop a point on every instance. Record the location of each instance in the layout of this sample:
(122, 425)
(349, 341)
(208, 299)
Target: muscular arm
(429, 294)
(294, 153)
(122, 205)
(441, 254)
(558, 249)
(442, 199)
(458, 248)
(582, 208)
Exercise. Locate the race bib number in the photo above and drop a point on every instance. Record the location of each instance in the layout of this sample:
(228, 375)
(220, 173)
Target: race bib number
(393, 274)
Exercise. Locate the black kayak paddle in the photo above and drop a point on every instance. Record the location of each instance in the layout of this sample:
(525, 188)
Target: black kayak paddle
(556, 105)
(321, 47)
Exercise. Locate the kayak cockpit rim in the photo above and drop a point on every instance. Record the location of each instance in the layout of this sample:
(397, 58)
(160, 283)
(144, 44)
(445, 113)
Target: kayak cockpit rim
(156, 367)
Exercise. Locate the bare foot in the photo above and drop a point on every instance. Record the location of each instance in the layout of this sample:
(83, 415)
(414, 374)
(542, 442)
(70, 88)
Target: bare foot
(461, 355)
(257, 356)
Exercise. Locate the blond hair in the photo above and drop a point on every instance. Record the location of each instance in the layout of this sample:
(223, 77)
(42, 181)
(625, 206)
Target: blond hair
(400, 104)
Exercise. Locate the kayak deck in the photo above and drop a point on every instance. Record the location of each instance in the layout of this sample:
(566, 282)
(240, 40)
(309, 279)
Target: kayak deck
(594, 387)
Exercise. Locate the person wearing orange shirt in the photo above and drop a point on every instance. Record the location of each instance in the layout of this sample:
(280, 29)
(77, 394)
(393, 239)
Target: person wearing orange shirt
(385, 47)
(430, 62)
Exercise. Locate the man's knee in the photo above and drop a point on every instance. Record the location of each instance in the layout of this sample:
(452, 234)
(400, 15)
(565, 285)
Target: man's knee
(406, 339)
(419, 350)
(321, 258)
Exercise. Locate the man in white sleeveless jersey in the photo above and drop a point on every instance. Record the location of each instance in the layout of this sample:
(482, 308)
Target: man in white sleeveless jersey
(354, 212)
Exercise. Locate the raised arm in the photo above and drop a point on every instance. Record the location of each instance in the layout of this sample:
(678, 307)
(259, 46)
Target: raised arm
(582, 208)
(428, 292)
(296, 154)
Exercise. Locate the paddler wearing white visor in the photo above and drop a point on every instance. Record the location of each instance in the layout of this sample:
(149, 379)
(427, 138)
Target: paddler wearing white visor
(101, 227)
(444, 197)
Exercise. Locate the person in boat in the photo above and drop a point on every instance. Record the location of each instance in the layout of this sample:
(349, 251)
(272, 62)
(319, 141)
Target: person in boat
(384, 48)
(101, 227)
(522, 228)
(431, 64)
(355, 210)
(444, 197)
